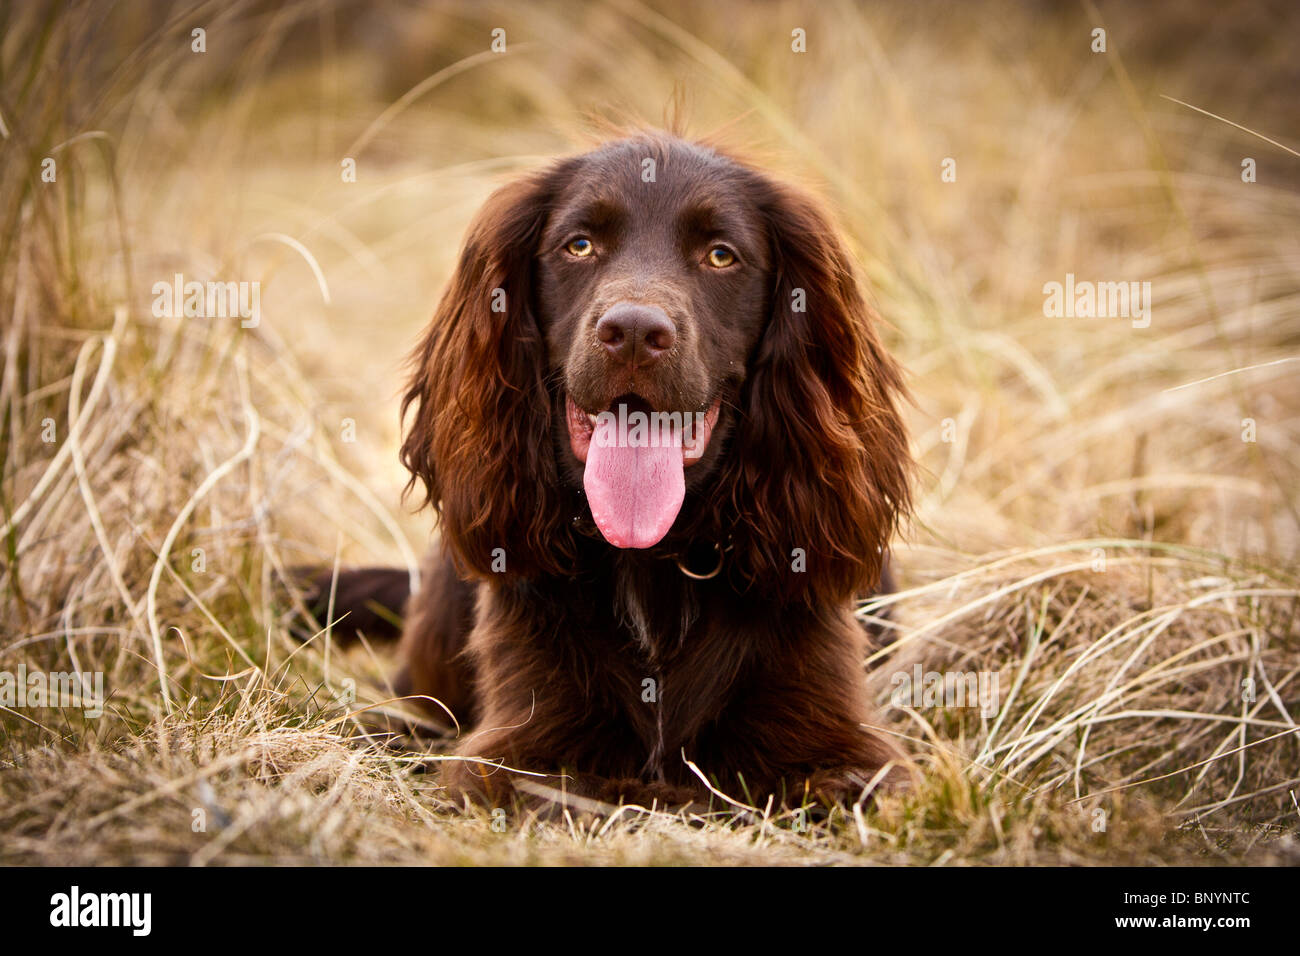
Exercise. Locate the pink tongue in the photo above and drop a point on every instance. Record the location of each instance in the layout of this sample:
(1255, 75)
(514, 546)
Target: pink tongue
(634, 492)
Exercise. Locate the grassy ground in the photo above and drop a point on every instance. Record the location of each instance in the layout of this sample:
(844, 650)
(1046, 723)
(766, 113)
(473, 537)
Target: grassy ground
(1108, 518)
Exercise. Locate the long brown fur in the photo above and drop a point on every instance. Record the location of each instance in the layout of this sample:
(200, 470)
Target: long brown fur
(611, 667)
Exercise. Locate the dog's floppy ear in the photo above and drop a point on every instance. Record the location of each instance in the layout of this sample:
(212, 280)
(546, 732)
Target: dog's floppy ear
(479, 437)
(819, 470)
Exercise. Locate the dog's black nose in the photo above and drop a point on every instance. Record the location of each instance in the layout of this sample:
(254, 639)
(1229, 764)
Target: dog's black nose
(636, 334)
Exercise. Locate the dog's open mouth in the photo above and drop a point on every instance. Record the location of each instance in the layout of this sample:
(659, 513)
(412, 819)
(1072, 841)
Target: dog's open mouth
(635, 460)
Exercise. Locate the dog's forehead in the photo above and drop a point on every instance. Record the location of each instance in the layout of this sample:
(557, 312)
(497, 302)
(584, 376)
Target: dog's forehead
(659, 180)
(645, 158)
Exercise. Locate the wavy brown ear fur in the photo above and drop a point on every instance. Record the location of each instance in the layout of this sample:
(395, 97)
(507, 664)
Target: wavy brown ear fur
(479, 432)
(820, 461)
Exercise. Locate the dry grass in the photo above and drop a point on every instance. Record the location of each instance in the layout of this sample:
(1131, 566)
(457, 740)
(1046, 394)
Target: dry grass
(1093, 528)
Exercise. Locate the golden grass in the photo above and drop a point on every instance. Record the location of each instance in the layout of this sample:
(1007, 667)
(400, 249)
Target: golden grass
(1092, 529)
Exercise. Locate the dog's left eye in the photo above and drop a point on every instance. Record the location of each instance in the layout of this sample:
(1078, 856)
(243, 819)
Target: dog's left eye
(580, 247)
(720, 257)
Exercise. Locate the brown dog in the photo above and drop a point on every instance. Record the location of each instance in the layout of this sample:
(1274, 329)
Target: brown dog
(608, 603)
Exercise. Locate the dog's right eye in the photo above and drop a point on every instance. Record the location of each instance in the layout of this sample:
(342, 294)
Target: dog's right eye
(580, 247)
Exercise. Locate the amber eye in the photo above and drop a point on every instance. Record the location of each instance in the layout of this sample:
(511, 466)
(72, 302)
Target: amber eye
(580, 247)
(720, 257)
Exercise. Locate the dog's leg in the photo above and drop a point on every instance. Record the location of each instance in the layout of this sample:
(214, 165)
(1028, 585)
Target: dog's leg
(433, 626)
(797, 738)
(438, 622)
(367, 601)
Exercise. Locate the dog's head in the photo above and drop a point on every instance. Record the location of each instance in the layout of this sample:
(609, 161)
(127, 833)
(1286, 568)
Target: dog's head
(659, 339)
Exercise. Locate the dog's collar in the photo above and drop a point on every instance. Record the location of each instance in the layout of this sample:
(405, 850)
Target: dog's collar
(682, 558)
(719, 550)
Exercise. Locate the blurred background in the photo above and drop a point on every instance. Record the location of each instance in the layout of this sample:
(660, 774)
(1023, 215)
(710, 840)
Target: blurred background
(1079, 474)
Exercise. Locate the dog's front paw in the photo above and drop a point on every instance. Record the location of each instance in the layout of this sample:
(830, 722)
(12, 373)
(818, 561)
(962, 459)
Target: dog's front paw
(849, 786)
(660, 796)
